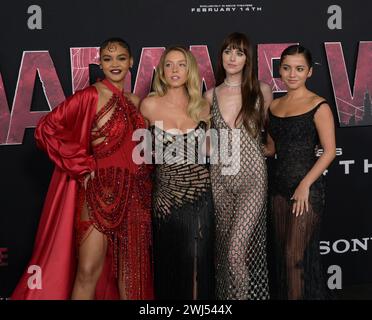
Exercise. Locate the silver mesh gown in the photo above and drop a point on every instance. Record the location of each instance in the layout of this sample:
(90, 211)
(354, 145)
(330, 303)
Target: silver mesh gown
(240, 208)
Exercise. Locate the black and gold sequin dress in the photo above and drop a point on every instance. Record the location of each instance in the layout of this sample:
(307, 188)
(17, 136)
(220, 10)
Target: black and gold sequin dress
(240, 205)
(182, 217)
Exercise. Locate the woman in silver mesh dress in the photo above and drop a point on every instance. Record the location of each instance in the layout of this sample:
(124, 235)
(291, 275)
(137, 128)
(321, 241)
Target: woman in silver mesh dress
(238, 173)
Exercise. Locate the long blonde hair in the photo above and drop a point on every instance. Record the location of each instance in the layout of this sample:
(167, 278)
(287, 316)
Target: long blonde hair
(193, 84)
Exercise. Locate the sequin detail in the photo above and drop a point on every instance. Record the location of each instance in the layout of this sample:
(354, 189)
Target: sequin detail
(298, 266)
(240, 204)
(119, 197)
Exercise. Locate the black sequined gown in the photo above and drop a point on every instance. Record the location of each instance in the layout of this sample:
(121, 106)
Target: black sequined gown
(182, 218)
(299, 274)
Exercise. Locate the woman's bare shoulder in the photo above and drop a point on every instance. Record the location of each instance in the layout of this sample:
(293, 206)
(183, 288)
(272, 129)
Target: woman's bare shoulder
(265, 87)
(209, 95)
(275, 102)
(133, 98)
(149, 106)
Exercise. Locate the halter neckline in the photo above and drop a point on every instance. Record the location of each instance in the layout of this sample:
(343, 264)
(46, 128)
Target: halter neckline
(114, 89)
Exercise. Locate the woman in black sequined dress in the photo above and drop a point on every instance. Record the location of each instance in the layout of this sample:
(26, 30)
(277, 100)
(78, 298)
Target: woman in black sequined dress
(182, 197)
(298, 122)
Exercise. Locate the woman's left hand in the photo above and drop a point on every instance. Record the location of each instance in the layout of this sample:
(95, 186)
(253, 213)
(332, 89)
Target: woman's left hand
(86, 178)
(300, 199)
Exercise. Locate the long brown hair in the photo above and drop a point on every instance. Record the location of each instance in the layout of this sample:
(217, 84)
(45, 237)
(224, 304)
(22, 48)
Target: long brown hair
(252, 110)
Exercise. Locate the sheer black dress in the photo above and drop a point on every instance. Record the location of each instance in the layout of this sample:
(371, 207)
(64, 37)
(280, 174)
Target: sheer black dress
(299, 273)
(182, 218)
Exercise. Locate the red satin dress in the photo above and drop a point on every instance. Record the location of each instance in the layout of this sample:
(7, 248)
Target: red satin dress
(118, 199)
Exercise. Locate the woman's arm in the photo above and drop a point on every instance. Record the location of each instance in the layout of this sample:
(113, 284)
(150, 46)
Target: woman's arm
(207, 147)
(64, 133)
(269, 146)
(324, 123)
(208, 95)
(135, 99)
(147, 108)
(267, 95)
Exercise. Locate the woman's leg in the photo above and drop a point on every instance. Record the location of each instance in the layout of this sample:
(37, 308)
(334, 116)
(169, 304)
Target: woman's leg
(92, 253)
(280, 216)
(244, 256)
(300, 232)
(122, 278)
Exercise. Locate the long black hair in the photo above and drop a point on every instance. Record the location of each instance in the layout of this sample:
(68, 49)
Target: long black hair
(252, 110)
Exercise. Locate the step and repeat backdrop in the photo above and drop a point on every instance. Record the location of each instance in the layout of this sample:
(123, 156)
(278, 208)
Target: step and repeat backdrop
(49, 49)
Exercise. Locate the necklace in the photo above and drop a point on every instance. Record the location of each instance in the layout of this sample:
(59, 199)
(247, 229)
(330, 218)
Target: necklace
(232, 85)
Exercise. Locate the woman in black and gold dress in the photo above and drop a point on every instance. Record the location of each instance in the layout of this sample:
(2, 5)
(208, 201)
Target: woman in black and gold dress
(298, 121)
(182, 199)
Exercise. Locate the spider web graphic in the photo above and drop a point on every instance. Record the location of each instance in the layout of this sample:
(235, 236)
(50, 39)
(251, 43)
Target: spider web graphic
(353, 104)
(4, 113)
(266, 54)
(358, 110)
(203, 59)
(81, 58)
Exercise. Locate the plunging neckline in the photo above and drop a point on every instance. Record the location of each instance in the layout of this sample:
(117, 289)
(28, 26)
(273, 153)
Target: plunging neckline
(189, 131)
(220, 113)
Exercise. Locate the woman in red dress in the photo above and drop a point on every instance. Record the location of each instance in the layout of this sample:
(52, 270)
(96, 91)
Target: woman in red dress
(94, 236)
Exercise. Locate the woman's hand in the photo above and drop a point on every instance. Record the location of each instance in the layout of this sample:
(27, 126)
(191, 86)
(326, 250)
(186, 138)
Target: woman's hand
(268, 148)
(300, 199)
(87, 177)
